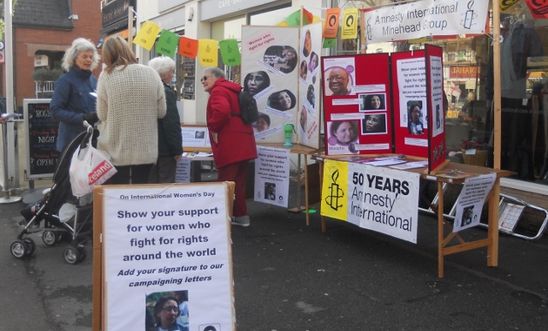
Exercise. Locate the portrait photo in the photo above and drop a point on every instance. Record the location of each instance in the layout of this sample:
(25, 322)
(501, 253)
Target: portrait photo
(270, 191)
(415, 118)
(338, 81)
(282, 100)
(167, 311)
(256, 82)
(374, 124)
(373, 102)
(343, 133)
(282, 58)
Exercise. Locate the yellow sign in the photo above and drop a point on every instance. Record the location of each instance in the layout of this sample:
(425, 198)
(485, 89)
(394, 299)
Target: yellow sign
(507, 4)
(350, 24)
(207, 52)
(147, 35)
(334, 189)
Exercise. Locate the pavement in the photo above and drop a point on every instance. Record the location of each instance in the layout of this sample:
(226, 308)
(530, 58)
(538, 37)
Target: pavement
(289, 276)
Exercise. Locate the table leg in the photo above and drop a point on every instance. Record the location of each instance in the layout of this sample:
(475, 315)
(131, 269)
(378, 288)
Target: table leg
(441, 262)
(493, 226)
(306, 207)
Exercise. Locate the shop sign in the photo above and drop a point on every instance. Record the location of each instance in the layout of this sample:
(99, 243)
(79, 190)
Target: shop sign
(210, 9)
(115, 13)
(463, 72)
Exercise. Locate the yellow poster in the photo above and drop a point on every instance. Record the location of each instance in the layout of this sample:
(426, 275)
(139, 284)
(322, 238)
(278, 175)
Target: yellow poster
(350, 24)
(207, 52)
(334, 189)
(147, 35)
(505, 5)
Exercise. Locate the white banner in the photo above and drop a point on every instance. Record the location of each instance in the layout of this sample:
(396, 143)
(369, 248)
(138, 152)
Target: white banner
(167, 246)
(383, 200)
(471, 200)
(425, 18)
(272, 176)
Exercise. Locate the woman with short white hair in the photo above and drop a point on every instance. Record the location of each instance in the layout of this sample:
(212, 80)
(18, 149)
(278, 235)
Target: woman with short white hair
(74, 95)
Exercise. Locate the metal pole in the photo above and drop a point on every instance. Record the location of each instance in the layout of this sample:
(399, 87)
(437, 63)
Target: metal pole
(8, 131)
(496, 86)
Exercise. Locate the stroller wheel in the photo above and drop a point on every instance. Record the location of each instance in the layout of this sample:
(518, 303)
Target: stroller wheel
(49, 238)
(30, 246)
(74, 255)
(18, 249)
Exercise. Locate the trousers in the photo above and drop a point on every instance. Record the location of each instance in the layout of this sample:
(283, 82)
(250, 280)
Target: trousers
(236, 172)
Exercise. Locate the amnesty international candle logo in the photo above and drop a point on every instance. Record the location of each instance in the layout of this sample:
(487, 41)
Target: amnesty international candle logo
(334, 188)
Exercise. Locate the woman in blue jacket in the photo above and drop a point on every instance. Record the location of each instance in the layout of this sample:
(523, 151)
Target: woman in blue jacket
(74, 95)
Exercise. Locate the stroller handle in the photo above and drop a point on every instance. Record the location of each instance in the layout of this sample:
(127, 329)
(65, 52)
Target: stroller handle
(89, 133)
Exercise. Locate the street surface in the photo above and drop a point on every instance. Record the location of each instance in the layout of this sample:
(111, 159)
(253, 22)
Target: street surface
(292, 277)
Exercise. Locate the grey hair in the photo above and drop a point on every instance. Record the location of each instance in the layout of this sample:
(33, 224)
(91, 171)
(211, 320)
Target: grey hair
(215, 72)
(162, 65)
(78, 46)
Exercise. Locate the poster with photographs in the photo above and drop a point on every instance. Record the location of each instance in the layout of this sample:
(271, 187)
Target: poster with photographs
(308, 128)
(272, 176)
(270, 73)
(356, 104)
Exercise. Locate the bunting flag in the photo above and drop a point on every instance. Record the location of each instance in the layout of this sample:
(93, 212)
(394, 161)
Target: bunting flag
(147, 35)
(188, 47)
(538, 8)
(207, 52)
(230, 52)
(294, 19)
(167, 43)
(350, 24)
(308, 17)
(331, 24)
(329, 42)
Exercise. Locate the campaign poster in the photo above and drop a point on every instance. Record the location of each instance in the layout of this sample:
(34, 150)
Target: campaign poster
(437, 147)
(270, 71)
(167, 254)
(383, 200)
(308, 127)
(471, 200)
(334, 189)
(425, 18)
(272, 176)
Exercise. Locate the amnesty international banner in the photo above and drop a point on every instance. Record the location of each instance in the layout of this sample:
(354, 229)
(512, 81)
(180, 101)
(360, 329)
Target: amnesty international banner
(166, 241)
(334, 189)
(384, 200)
(425, 18)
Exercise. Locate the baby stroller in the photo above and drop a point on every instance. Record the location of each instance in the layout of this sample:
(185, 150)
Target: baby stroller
(64, 215)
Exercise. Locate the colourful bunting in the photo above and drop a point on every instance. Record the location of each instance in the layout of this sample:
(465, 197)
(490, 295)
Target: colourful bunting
(350, 24)
(331, 25)
(294, 19)
(167, 43)
(207, 52)
(147, 35)
(329, 42)
(188, 47)
(230, 52)
(308, 17)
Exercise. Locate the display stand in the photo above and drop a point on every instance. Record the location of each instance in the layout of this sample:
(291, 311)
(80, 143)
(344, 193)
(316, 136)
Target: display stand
(448, 174)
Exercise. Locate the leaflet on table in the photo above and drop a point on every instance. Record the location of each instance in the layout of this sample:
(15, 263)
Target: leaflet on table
(195, 136)
(471, 199)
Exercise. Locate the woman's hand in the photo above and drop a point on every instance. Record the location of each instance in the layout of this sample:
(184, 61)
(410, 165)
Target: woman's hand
(215, 137)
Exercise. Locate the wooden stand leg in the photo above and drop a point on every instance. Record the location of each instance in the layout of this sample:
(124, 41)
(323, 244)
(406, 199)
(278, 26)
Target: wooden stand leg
(441, 262)
(493, 227)
(306, 207)
(322, 219)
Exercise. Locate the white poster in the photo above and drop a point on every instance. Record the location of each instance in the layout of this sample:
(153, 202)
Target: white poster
(195, 136)
(425, 18)
(272, 176)
(309, 85)
(167, 257)
(270, 57)
(436, 84)
(471, 200)
(383, 200)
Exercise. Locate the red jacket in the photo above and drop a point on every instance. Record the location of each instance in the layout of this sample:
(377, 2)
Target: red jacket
(236, 141)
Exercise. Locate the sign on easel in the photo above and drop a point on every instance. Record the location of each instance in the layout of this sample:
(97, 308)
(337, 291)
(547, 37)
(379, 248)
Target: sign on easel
(164, 258)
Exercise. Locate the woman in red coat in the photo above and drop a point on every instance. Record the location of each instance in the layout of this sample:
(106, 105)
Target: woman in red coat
(232, 141)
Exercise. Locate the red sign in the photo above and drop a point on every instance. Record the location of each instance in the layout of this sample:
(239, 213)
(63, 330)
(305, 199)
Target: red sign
(463, 71)
(539, 8)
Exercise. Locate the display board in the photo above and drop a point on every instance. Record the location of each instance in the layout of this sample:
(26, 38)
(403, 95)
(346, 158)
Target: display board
(157, 252)
(417, 92)
(357, 104)
(272, 58)
(41, 132)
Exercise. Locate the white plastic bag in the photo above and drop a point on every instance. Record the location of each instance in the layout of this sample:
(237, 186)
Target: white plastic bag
(89, 167)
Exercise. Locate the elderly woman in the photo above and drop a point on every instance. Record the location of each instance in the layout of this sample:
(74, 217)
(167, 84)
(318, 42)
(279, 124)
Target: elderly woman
(232, 141)
(74, 96)
(130, 100)
(169, 128)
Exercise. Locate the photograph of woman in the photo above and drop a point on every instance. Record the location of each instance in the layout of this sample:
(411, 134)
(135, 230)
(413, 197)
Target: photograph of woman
(282, 58)
(262, 123)
(372, 102)
(282, 100)
(310, 95)
(414, 115)
(303, 70)
(307, 45)
(166, 312)
(314, 61)
(256, 82)
(338, 81)
(374, 123)
(343, 133)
